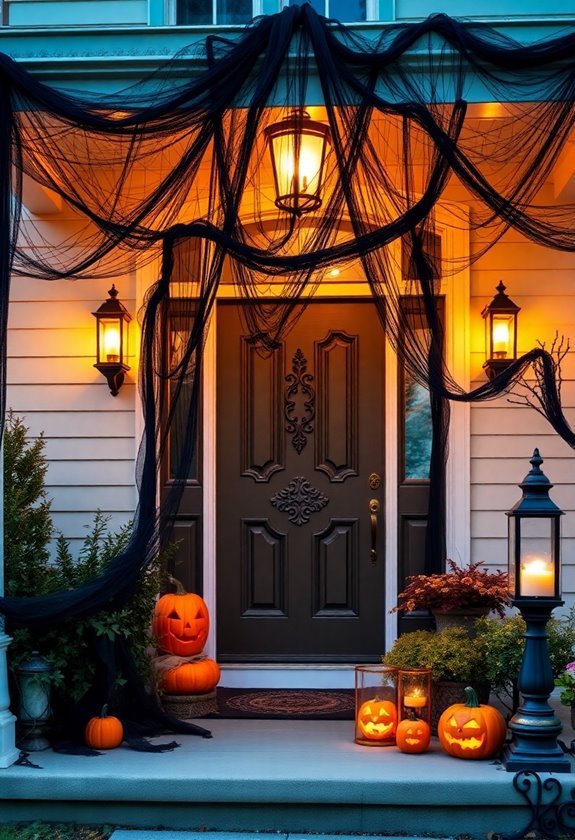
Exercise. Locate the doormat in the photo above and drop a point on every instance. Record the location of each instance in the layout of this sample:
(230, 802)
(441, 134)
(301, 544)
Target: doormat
(286, 703)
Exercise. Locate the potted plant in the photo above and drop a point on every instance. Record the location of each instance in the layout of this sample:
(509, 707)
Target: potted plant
(456, 661)
(458, 596)
(490, 661)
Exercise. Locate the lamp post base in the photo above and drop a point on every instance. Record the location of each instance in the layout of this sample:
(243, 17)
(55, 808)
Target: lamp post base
(514, 758)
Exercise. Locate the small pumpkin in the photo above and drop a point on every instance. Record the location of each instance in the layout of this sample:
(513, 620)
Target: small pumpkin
(377, 720)
(181, 622)
(413, 734)
(471, 730)
(191, 677)
(104, 732)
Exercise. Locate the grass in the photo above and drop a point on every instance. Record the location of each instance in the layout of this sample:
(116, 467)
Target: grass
(54, 831)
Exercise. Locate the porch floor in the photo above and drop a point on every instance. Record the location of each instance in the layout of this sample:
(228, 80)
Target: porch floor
(289, 776)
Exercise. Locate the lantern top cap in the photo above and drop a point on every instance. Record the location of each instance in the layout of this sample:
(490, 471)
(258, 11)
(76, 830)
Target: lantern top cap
(536, 486)
(298, 119)
(112, 306)
(501, 302)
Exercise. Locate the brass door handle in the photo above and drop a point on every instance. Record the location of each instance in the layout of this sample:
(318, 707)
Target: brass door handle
(374, 507)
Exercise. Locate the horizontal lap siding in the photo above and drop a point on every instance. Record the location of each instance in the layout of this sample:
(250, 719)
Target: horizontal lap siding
(52, 384)
(504, 434)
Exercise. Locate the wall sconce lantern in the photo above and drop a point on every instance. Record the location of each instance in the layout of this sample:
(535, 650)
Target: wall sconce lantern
(534, 584)
(112, 319)
(500, 318)
(298, 148)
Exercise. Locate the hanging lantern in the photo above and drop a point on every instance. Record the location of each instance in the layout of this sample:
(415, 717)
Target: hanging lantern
(500, 318)
(112, 319)
(298, 148)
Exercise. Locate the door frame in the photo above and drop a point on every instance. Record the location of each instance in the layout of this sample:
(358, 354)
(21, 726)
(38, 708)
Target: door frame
(452, 225)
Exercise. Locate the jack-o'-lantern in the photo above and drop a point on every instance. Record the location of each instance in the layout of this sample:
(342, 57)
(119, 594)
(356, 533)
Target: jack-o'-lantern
(377, 720)
(192, 677)
(413, 734)
(181, 623)
(470, 729)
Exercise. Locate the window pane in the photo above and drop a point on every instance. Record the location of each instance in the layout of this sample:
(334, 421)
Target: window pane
(417, 430)
(194, 12)
(347, 10)
(318, 5)
(234, 11)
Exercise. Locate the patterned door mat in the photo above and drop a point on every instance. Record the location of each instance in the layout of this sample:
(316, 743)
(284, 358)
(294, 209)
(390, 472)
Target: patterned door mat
(294, 703)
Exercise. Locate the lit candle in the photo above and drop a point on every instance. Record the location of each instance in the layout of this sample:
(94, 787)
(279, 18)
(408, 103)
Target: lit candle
(500, 338)
(416, 700)
(537, 578)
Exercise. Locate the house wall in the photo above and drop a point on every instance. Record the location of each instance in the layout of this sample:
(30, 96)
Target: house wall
(52, 384)
(504, 434)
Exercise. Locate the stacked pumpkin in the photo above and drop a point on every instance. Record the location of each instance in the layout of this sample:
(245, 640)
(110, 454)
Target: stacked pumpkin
(180, 628)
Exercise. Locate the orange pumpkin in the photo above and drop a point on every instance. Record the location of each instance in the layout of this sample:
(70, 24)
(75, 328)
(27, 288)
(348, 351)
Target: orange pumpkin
(470, 729)
(191, 677)
(181, 623)
(412, 734)
(104, 732)
(377, 720)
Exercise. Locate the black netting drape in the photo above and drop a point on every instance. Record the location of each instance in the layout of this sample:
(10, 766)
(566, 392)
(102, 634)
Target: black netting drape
(179, 183)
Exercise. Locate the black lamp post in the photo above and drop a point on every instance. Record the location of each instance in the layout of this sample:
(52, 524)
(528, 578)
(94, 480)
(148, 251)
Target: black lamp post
(112, 340)
(500, 318)
(534, 582)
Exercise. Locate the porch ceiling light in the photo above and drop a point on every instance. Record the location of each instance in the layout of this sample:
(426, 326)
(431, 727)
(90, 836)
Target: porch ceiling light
(500, 318)
(298, 148)
(112, 319)
(534, 582)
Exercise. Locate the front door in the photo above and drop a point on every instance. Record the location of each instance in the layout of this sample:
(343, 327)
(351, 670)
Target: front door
(300, 506)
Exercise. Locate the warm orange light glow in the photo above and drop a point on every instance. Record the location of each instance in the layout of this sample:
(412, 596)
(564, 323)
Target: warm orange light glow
(537, 577)
(111, 340)
(501, 337)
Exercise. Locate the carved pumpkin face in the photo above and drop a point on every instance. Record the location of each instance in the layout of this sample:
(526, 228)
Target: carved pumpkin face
(413, 735)
(471, 730)
(376, 720)
(181, 623)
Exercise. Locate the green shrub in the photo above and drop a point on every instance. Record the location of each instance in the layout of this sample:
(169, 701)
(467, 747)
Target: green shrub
(451, 654)
(67, 645)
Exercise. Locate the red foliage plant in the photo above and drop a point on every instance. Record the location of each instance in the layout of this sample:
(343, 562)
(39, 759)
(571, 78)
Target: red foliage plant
(456, 589)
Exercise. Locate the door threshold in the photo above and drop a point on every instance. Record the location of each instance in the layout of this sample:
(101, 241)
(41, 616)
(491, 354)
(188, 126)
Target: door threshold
(287, 675)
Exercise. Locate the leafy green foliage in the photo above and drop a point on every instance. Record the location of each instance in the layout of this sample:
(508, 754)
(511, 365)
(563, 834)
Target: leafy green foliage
(29, 571)
(493, 655)
(27, 520)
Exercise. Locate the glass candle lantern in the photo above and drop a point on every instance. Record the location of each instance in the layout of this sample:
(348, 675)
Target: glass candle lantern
(414, 693)
(375, 705)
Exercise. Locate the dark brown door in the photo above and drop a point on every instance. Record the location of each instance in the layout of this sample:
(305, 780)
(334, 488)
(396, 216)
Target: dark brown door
(300, 560)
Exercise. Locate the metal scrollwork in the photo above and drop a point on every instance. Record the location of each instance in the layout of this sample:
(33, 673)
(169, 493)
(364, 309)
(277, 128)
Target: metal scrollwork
(299, 500)
(299, 383)
(548, 814)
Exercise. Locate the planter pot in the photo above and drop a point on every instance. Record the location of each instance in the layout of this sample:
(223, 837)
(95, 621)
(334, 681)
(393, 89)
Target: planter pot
(459, 618)
(573, 716)
(445, 693)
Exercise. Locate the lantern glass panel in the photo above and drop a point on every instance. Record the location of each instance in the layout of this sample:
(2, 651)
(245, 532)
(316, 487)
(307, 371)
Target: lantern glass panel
(512, 576)
(110, 344)
(502, 331)
(299, 159)
(537, 557)
(375, 705)
(414, 693)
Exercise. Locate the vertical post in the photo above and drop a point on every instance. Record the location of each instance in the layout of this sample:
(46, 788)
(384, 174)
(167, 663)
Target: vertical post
(8, 751)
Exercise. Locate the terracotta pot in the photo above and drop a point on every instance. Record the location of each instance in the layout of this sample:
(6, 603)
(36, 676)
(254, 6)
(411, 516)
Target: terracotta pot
(459, 618)
(445, 693)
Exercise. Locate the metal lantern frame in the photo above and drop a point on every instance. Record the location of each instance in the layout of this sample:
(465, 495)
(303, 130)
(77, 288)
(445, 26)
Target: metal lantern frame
(112, 314)
(293, 193)
(535, 727)
(501, 309)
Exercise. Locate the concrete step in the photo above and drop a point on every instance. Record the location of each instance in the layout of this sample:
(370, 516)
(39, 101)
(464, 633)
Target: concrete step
(162, 834)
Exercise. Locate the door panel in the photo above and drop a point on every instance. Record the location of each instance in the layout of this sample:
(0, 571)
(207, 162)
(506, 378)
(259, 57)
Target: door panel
(300, 431)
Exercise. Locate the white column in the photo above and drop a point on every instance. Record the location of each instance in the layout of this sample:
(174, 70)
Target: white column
(8, 751)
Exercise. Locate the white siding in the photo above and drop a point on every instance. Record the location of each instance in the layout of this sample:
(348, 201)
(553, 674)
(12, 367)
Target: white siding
(503, 434)
(52, 384)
